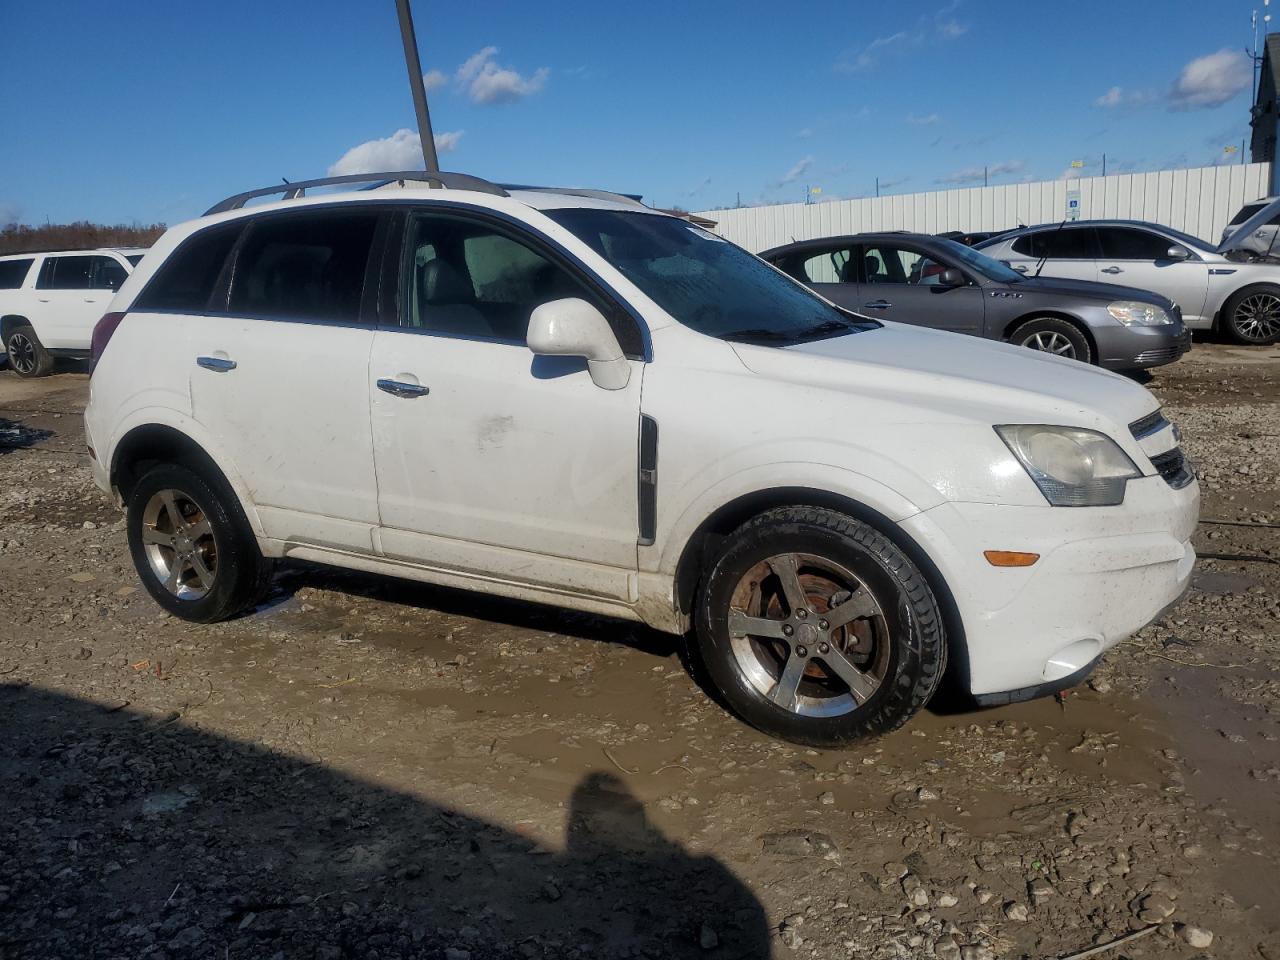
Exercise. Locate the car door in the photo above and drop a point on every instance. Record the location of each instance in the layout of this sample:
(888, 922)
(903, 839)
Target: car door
(279, 373)
(830, 271)
(1067, 250)
(67, 304)
(901, 281)
(491, 461)
(1140, 258)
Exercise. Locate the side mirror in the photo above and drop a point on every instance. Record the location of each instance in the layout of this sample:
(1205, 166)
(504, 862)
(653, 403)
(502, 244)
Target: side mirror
(951, 277)
(574, 328)
(1178, 252)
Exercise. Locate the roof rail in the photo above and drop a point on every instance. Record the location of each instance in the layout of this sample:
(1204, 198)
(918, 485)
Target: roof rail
(451, 181)
(629, 198)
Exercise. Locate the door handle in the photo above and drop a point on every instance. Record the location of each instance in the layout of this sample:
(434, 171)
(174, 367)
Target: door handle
(1021, 268)
(216, 364)
(1111, 270)
(43, 299)
(398, 388)
(877, 305)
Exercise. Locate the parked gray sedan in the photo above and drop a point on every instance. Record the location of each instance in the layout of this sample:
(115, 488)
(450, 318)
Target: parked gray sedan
(935, 282)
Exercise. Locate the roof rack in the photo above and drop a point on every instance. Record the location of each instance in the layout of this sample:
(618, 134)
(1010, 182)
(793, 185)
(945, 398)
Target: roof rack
(629, 198)
(451, 181)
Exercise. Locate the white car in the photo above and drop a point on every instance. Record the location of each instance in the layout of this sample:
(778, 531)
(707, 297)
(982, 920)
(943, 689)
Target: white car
(49, 303)
(564, 396)
(1233, 287)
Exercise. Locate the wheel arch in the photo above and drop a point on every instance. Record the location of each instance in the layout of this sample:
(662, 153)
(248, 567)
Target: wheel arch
(1229, 300)
(728, 517)
(1007, 334)
(8, 322)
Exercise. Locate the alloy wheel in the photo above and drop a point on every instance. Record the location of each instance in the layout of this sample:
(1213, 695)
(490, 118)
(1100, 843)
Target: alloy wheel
(178, 540)
(1257, 317)
(808, 635)
(22, 353)
(1050, 341)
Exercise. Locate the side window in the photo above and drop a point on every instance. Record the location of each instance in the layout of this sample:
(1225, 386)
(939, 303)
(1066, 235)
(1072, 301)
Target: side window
(1064, 244)
(885, 264)
(1023, 244)
(108, 274)
(304, 266)
(469, 279)
(14, 272)
(830, 266)
(1122, 243)
(66, 273)
(186, 279)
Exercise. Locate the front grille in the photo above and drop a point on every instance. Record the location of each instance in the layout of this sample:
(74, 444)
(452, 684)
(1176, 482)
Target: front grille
(1167, 354)
(1152, 423)
(1174, 466)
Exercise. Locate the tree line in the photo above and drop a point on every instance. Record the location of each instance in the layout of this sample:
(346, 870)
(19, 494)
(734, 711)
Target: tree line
(81, 235)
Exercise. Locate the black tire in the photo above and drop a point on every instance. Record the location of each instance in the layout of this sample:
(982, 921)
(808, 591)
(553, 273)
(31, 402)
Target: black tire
(901, 647)
(214, 534)
(1252, 316)
(1053, 335)
(27, 355)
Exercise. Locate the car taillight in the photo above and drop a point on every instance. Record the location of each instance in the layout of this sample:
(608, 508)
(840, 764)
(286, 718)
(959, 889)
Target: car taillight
(102, 332)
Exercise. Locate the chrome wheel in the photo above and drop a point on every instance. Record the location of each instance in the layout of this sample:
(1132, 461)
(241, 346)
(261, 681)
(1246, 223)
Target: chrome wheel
(1257, 318)
(808, 635)
(179, 545)
(22, 353)
(1050, 341)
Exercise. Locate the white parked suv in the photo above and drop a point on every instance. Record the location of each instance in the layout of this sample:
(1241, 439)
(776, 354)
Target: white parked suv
(564, 396)
(49, 303)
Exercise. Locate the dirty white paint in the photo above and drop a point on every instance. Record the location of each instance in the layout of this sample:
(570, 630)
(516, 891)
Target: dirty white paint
(1200, 201)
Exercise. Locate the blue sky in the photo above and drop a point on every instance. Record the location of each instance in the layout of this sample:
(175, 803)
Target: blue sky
(153, 111)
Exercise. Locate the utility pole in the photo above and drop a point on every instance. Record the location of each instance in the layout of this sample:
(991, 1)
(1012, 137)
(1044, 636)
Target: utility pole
(1104, 164)
(432, 164)
(984, 177)
(877, 188)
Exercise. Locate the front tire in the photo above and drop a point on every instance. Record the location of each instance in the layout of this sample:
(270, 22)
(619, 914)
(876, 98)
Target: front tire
(1053, 335)
(1252, 316)
(192, 547)
(816, 628)
(27, 355)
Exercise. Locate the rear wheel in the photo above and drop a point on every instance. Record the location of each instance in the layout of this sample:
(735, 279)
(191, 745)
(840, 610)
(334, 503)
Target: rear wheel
(192, 547)
(1053, 335)
(816, 628)
(1252, 316)
(27, 355)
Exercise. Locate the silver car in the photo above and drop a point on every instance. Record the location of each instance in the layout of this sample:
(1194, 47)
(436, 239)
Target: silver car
(1234, 287)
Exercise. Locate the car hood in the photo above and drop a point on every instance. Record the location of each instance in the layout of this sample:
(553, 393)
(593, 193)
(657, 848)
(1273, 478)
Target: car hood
(1242, 239)
(1062, 287)
(949, 377)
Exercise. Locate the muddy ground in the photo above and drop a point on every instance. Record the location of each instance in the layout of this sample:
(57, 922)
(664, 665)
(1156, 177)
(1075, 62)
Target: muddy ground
(369, 768)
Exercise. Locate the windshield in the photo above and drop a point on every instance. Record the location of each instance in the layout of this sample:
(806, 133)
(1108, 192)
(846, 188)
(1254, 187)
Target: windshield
(981, 263)
(706, 283)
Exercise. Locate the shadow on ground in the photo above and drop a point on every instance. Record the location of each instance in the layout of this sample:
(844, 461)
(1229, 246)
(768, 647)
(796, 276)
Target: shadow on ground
(127, 836)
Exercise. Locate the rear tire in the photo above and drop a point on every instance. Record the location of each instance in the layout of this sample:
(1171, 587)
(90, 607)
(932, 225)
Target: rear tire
(27, 355)
(192, 547)
(816, 628)
(1053, 335)
(1252, 316)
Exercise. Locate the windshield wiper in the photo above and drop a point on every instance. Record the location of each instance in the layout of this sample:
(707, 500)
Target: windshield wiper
(759, 333)
(793, 336)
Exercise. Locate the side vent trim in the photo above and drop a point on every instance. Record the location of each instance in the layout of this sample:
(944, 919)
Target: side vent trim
(648, 487)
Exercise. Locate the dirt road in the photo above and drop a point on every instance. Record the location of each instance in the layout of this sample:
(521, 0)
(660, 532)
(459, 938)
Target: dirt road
(369, 768)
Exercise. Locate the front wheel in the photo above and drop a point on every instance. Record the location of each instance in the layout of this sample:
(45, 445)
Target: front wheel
(816, 628)
(1052, 335)
(1253, 316)
(27, 355)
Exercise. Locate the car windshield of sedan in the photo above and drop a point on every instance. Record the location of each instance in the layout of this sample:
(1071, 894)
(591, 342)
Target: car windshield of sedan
(981, 263)
(705, 282)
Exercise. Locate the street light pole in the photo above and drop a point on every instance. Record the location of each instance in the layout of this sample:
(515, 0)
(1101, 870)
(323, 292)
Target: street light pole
(432, 164)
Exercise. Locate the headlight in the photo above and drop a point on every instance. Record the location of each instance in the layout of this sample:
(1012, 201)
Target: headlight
(1133, 313)
(1072, 467)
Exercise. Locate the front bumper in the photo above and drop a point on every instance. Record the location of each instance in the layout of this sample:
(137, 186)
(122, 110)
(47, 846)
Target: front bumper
(1103, 574)
(1133, 348)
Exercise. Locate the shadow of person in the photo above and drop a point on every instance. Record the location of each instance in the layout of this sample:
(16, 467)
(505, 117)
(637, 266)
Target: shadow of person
(123, 834)
(639, 892)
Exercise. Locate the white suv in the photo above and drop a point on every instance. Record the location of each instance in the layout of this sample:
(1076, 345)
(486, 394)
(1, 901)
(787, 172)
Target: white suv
(49, 303)
(567, 397)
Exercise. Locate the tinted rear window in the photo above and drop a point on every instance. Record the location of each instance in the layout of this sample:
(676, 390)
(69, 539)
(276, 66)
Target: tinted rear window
(1055, 244)
(13, 272)
(306, 266)
(66, 273)
(186, 280)
(1125, 243)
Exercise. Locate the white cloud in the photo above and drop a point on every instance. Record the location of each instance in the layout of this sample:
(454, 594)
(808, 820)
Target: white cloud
(1120, 97)
(938, 27)
(952, 28)
(434, 80)
(926, 121)
(797, 171)
(977, 174)
(805, 134)
(868, 56)
(486, 82)
(400, 151)
(1212, 80)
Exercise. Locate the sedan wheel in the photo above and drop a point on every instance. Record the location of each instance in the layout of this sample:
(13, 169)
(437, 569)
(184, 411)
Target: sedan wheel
(1053, 335)
(1051, 342)
(1256, 318)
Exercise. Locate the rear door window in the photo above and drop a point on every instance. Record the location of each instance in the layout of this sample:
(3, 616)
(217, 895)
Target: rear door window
(14, 272)
(1127, 243)
(1077, 243)
(305, 266)
(108, 274)
(66, 273)
(185, 282)
(830, 266)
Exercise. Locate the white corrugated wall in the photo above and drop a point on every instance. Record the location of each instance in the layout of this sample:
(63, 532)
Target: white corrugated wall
(1198, 201)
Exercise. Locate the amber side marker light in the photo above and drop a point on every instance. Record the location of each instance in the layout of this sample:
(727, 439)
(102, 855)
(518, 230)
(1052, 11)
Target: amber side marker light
(1010, 558)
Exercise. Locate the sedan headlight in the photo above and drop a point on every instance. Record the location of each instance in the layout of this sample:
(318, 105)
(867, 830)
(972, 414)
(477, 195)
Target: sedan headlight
(1134, 313)
(1072, 467)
